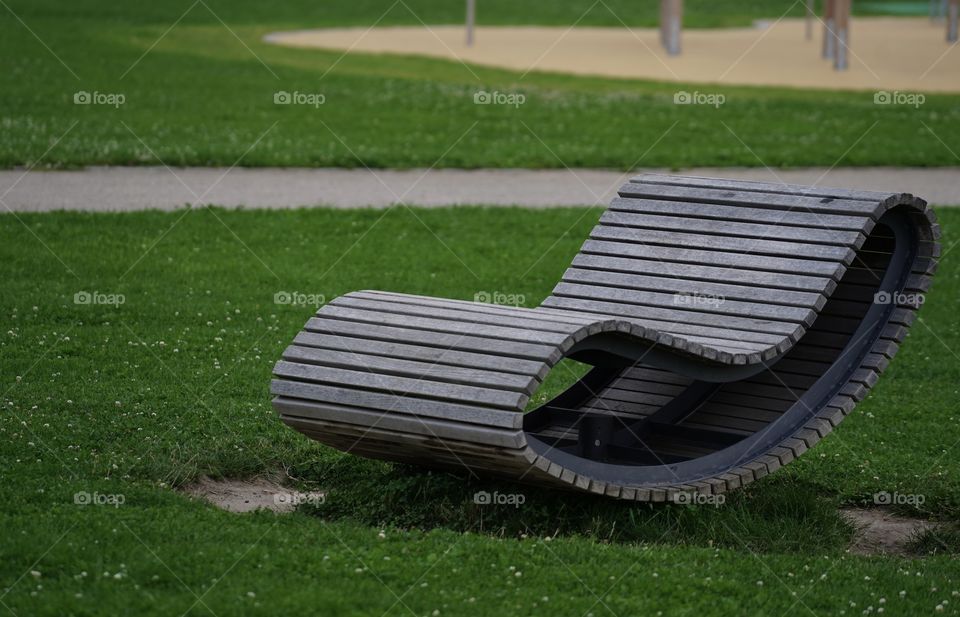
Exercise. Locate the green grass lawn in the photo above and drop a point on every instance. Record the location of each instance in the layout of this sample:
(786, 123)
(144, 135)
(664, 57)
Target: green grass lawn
(172, 384)
(199, 91)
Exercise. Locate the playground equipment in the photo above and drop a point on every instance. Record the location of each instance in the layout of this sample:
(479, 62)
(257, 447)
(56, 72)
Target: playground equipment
(836, 32)
(671, 25)
(471, 20)
(953, 14)
(836, 25)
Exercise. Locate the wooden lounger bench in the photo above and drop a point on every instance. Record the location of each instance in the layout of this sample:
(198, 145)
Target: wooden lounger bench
(731, 325)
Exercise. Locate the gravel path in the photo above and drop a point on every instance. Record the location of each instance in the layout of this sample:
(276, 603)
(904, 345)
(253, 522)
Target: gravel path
(140, 188)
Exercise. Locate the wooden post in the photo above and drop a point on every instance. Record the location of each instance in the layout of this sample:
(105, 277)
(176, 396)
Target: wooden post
(953, 14)
(810, 13)
(829, 39)
(471, 19)
(671, 22)
(842, 28)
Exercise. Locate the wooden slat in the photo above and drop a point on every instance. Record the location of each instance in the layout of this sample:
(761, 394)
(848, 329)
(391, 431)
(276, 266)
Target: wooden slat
(442, 325)
(732, 308)
(296, 411)
(433, 339)
(402, 367)
(741, 213)
(528, 321)
(694, 272)
(726, 291)
(766, 188)
(696, 255)
(439, 355)
(401, 386)
(379, 402)
(754, 247)
(475, 307)
(712, 227)
(664, 319)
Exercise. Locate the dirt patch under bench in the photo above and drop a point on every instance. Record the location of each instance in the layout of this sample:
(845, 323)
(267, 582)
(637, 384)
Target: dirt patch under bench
(251, 494)
(882, 532)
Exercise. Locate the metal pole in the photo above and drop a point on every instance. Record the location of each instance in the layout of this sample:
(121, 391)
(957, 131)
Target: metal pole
(842, 21)
(829, 39)
(953, 12)
(810, 13)
(471, 19)
(672, 25)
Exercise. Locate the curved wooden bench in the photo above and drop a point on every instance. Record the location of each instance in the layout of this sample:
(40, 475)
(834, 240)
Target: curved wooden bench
(731, 325)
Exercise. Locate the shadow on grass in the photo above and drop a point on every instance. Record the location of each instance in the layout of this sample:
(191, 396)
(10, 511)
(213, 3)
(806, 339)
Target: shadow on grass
(937, 542)
(776, 515)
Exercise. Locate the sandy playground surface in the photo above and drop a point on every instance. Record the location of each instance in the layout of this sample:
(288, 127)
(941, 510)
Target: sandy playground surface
(903, 54)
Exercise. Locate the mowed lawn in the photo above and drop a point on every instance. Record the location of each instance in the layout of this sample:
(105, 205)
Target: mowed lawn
(134, 400)
(197, 84)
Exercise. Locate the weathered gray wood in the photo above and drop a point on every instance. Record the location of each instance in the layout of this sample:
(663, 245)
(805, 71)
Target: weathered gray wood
(724, 291)
(775, 188)
(434, 339)
(439, 355)
(450, 315)
(470, 306)
(793, 271)
(754, 247)
(738, 411)
(727, 212)
(432, 371)
(713, 227)
(681, 255)
(748, 261)
(443, 325)
(713, 314)
(682, 323)
(632, 396)
(475, 434)
(739, 197)
(733, 346)
(401, 386)
(409, 424)
(392, 403)
(694, 272)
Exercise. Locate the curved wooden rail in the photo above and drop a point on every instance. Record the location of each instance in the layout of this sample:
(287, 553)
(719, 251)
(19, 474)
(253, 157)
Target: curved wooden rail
(731, 325)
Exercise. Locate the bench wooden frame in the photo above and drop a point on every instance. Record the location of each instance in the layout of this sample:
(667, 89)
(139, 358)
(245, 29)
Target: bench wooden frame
(731, 325)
